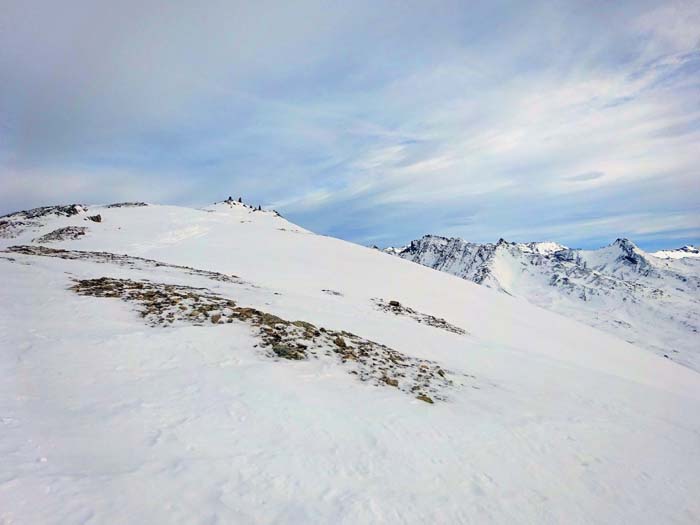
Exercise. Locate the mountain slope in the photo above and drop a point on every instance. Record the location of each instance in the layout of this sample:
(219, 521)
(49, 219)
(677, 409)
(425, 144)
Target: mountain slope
(647, 300)
(130, 394)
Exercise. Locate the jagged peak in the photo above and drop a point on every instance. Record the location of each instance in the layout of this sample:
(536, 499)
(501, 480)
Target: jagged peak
(429, 236)
(625, 243)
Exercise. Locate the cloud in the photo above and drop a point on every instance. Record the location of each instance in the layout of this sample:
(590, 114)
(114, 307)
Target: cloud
(370, 121)
(589, 175)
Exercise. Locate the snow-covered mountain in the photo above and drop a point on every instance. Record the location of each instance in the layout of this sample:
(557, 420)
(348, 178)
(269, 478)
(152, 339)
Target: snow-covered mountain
(162, 364)
(680, 253)
(650, 300)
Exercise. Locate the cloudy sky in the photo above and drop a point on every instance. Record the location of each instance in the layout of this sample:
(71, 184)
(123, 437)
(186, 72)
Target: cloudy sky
(376, 121)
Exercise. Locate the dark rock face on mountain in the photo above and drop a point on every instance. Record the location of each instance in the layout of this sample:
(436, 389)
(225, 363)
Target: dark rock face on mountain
(35, 213)
(13, 224)
(646, 299)
(126, 205)
(63, 234)
(468, 260)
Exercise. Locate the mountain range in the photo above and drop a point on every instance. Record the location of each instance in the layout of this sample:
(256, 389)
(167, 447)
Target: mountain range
(651, 300)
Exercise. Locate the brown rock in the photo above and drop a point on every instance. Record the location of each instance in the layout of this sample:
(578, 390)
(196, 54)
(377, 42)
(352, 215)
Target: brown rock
(391, 382)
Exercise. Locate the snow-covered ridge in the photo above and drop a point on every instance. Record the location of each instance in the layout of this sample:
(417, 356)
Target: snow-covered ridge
(224, 365)
(650, 299)
(680, 253)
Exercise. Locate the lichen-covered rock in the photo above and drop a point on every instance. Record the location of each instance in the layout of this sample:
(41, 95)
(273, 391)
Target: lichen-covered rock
(67, 233)
(163, 304)
(397, 308)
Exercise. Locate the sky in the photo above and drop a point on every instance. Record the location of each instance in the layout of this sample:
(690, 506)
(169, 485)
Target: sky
(372, 121)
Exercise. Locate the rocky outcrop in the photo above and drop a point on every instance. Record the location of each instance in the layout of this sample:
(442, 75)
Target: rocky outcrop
(163, 304)
(126, 205)
(396, 308)
(65, 210)
(14, 224)
(68, 233)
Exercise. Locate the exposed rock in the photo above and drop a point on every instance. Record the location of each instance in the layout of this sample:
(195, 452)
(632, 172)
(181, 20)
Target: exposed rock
(35, 213)
(396, 308)
(391, 382)
(13, 224)
(11, 229)
(126, 205)
(165, 304)
(66, 233)
(287, 352)
(136, 263)
(94, 218)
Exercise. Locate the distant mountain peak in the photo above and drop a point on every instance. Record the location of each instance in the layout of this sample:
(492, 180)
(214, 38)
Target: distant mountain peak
(625, 244)
(615, 287)
(687, 251)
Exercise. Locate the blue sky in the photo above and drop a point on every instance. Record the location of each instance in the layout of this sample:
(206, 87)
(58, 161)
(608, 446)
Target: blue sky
(376, 122)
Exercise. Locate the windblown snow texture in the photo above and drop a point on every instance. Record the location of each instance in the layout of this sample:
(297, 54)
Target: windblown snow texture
(222, 365)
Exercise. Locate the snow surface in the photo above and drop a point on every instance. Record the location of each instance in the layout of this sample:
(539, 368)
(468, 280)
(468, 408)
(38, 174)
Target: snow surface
(104, 419)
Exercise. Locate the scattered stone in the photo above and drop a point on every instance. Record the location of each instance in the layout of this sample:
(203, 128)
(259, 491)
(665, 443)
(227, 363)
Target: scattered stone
(136, 263)
(67, 233)
(397, 308)
(162, 305)
(287, 352)
(126, 205)
(11, 229)
(94, 218)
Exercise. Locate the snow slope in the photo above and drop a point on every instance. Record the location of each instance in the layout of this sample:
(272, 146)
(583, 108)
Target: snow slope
(650, 301)
(105, 418)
